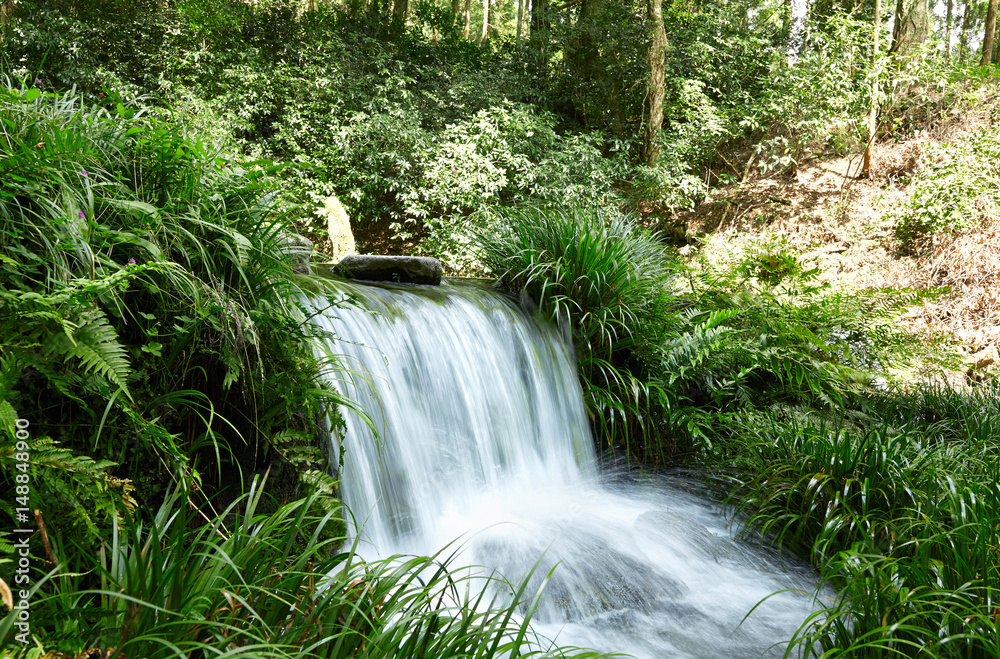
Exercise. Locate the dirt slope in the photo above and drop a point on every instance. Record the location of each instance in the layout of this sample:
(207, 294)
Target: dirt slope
(845, 224)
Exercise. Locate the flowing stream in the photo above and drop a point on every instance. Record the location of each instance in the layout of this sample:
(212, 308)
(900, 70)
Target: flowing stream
(484, 438)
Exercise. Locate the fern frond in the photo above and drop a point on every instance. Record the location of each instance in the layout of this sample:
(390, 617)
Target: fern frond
(95, 344)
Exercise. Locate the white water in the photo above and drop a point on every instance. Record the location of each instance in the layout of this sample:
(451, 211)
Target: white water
(484, 438)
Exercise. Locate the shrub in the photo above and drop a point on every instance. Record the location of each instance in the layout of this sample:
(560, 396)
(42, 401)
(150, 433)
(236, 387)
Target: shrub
(816, 101)
(956, 189)
(799, 340)
(386, 165)
(897, 502)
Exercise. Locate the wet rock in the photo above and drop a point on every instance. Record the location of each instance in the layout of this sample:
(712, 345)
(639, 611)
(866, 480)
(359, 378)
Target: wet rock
(584, 575)
(298, 248)
(400, 269)
(682, 532)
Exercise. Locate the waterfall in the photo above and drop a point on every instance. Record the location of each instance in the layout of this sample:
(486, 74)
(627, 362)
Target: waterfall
(483, 437)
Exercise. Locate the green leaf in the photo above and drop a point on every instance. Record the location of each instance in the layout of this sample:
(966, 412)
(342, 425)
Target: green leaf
(8, 415)
(134, 206)
(154, 348)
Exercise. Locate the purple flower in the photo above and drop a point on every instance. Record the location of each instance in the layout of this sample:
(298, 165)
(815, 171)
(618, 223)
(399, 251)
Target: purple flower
(82, 214)
(131, 261)
(37, 81)
(85, 173)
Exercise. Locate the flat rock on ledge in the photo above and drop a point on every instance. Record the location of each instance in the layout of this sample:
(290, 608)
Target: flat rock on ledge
(400, 269)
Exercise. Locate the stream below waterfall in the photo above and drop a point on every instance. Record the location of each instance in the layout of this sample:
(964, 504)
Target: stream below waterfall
(483, 438)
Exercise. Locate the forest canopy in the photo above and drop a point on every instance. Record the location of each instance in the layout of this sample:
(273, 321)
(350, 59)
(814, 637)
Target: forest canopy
(419, 116)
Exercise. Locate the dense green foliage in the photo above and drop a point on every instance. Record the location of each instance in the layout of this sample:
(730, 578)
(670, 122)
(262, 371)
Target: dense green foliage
(416, 129)
(667, 353)
(149, 334)
(146, 283)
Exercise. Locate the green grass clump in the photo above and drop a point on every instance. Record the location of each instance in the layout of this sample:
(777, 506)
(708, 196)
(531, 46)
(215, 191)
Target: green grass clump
(897, 502)
(609, 284)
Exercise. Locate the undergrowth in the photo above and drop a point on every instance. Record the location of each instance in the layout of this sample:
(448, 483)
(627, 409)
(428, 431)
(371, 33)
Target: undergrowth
(956, 189)
(148, 332)
(895, 499)
(666, 353)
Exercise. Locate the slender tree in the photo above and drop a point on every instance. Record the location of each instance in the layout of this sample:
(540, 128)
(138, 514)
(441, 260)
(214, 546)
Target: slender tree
(5, 10)
(485, 34)
(947, 30)
(399, 9)
(991, 26)
(520, 18)
(540, 23)
(873, 110)
(656, 90)
(539, 35)
(963, 37)
(466, 12)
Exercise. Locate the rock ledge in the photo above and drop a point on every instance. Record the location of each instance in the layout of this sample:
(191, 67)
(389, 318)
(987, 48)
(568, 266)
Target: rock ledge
(400, 269)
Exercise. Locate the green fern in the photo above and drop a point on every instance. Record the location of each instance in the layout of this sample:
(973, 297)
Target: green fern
(94, 344)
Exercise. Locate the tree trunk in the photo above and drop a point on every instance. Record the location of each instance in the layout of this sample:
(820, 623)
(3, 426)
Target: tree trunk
(520, 17)
(466, 11)
(540, 20)
(399, 9)
(963, 37)
(583, 57)
(6, 8)
(912, 26)
(456, 10)
(656, 91)
(947, 31)
(485, 35)
(991, 26)
(539, 36)
(873, 110)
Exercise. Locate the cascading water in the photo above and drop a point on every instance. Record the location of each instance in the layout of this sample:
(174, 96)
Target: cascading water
(484, 438)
